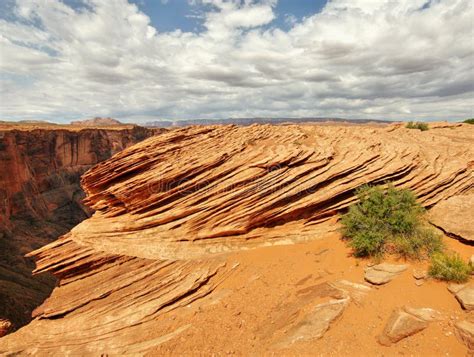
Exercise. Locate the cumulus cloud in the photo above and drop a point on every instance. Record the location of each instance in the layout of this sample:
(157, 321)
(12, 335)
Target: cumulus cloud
(357, 59)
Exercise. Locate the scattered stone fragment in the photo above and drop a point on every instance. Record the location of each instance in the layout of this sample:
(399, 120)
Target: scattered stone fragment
(400, 325)
(419, 274)
(419, 282)
(464, 294)
(383, 273)
(464, 330)
(5, 327)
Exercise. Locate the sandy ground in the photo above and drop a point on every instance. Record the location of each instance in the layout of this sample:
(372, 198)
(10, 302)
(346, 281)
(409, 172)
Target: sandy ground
(250, 312)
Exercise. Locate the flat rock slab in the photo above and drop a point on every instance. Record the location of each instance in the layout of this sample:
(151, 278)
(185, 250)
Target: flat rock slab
(356, 291)
(464, 294)
(309, 316)
(316, 324)
(464, 330)
(406, 322)
(383, 273)
(454, 216)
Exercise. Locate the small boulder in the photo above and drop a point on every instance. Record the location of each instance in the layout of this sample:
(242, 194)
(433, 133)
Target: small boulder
(383, 273)
(5, 327)
(464, 294)
(400, 325)
(464, 330)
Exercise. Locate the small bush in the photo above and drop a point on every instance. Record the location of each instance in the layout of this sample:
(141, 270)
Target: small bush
(388, 220)
(469, 121)
(417, 125)
(449, 267)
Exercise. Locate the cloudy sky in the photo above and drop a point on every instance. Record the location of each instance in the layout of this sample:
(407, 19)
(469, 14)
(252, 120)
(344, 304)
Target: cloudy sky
(177, 59)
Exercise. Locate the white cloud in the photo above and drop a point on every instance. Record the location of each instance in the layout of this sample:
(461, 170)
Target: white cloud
(357, 58)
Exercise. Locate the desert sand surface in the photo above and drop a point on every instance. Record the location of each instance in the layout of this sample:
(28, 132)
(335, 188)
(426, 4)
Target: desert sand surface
(225, 240)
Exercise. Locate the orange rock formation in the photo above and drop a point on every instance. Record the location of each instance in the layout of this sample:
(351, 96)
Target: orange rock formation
(40, 198)
(172, 211)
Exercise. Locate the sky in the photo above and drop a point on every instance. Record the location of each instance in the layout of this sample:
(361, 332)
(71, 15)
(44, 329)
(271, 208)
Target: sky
(144, 60)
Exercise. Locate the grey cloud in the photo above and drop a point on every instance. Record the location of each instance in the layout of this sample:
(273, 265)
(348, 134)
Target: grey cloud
(356, 58)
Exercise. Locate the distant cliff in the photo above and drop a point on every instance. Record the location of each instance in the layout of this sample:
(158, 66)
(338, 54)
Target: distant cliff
(251, 121)
(40, 199)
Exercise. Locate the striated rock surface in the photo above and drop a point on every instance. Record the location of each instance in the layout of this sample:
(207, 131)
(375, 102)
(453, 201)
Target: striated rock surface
(168, 209)
(41, 199)
(455, 216)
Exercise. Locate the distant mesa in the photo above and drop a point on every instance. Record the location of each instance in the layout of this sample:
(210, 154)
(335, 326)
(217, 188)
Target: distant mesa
(34, 122)
(97, 121)
(250, 121)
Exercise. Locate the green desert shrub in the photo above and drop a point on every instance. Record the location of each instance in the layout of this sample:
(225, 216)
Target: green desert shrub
(417, 125)
(423, 243)
(388, 220)
(449, 267)
(469, 121)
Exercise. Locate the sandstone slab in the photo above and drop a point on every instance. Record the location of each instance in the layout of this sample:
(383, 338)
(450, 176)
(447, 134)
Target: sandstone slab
(464, 330)
(405, 322)
(316, 323)
(464, 294)
(383, 273)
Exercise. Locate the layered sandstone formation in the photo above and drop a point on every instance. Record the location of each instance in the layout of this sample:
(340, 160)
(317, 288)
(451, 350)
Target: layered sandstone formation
(40, 198)
(172, 214)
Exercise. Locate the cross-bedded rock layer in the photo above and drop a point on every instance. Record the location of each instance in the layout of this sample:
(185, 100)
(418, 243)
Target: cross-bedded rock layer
(169, 208)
